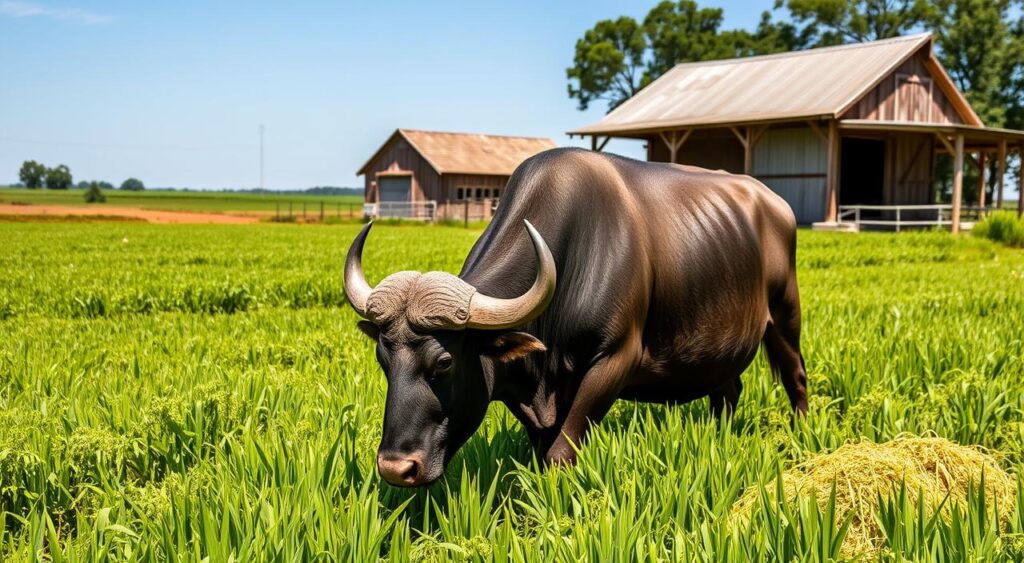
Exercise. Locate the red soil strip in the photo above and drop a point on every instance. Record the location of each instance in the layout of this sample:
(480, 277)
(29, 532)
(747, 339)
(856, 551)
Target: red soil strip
(149, 215)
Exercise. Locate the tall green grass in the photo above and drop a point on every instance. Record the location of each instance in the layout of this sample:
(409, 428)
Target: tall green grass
(182, 392)
(1002, 226)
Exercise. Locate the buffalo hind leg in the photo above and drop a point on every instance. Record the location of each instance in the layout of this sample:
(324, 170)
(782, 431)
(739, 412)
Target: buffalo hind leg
(782, 346)
(725, 398)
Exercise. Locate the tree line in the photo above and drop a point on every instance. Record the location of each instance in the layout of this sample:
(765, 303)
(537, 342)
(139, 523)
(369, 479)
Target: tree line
(980, 42)
(35, 175)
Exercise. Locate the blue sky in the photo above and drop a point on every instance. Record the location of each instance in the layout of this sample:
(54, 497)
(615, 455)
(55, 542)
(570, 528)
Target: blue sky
(173, 93)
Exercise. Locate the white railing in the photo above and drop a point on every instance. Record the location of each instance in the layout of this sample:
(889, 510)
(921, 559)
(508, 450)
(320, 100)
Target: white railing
(854, 214)
(418, 210)
(893, 215)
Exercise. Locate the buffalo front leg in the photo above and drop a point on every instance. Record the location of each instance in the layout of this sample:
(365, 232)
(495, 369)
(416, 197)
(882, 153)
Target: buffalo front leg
(597, 392)
(725, 398)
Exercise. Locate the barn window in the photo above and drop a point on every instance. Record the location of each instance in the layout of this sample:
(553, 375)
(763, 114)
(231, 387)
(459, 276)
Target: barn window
(460, 194)
(497, 194)
(479, 193)
(487, 193)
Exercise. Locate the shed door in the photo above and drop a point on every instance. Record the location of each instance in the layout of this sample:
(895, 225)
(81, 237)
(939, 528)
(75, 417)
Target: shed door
(395, 188)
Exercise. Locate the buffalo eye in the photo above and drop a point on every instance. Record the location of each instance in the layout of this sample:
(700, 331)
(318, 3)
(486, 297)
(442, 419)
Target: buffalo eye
(443, 364)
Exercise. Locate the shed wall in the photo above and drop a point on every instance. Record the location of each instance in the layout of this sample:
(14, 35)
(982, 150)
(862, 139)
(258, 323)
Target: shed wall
(910, 173)
(450, 183)
(793, 161)
(714, 149)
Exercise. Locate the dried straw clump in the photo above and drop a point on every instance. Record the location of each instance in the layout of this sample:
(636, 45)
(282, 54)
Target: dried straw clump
(861, 471)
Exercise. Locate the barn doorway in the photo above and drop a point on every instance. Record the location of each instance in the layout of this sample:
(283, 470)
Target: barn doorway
(395, 196)
(395, 188)
(862, 178)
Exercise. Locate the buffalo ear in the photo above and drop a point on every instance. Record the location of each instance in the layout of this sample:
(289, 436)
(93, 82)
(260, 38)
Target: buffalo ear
(509, 346)
(369, 329)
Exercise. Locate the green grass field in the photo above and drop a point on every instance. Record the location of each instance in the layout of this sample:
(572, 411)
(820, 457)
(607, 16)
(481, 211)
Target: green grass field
(201, 393)
(181, 201)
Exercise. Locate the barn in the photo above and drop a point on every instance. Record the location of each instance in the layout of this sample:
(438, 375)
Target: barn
(428, 174)
(848, 135)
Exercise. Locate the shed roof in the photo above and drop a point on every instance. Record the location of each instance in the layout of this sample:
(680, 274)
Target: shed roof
(469, 153)
(800, 84)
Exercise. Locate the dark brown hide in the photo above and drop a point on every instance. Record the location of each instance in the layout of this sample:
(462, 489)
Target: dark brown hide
(670, 277)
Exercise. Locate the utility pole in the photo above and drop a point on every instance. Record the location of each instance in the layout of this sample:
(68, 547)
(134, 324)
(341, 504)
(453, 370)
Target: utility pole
(261, 157)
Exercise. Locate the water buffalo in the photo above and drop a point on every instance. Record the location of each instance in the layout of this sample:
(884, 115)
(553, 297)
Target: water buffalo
(669, 278)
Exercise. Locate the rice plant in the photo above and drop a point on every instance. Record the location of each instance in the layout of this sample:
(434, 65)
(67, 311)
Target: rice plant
(195, 393)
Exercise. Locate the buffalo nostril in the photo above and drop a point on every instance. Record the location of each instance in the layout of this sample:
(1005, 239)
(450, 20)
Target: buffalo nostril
(412, 473)
(402, 471)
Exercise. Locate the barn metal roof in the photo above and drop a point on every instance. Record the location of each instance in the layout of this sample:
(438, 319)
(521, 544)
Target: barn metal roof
(469, 153)
(800, 84)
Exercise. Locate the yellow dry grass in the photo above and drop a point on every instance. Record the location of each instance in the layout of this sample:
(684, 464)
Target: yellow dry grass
(861, 471)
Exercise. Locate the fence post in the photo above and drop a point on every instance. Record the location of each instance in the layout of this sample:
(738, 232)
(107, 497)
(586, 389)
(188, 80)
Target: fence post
(465, 215)
(898, 219)
(856, 217)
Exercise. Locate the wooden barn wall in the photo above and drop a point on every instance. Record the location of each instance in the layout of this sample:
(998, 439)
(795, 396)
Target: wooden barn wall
(792, 161)
(909, 174)
(884, 102)
(714, 149)
(398, 156)
(450, 183)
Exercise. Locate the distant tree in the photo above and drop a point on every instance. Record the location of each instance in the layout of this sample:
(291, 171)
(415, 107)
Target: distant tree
(93, 193)
(32, 174)
(106, 185)
(58, 178)
(616, 58)
(133, 185)
(834, 22)
(82, 185)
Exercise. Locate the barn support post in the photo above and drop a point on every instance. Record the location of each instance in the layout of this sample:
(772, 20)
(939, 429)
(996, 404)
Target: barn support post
(1000, 174)
(598, 147)
(1020, 183)
(674, 141)
(958, 181)
(982, 155)
(832, 174)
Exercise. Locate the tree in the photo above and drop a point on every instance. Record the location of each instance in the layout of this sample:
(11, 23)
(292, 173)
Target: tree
(609, 63)
(616, 58)
(93, 193)
(58, 178)
(984, 54)
(133, 185)
(32, 174)
(834, 22)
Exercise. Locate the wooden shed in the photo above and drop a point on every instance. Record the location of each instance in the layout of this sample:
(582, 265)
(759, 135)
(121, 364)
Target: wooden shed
(844, 134)
(418, 170)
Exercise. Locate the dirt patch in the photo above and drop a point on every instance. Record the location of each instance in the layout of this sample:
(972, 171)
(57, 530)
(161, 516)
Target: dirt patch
(102, 212)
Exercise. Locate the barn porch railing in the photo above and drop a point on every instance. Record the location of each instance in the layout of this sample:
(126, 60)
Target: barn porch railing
(418, 210)
(899, 217)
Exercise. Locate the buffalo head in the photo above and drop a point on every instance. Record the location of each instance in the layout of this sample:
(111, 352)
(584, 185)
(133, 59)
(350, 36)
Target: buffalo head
(436, 335)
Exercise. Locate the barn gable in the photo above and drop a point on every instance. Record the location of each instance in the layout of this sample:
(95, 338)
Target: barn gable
(918, 90)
